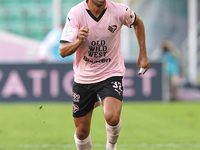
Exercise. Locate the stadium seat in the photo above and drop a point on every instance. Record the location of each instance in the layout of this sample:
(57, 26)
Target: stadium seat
(31, 18)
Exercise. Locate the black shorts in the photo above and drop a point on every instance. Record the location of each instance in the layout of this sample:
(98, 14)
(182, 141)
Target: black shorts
(85, 95)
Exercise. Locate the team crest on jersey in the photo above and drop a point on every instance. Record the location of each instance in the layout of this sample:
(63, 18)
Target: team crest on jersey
(112, 28)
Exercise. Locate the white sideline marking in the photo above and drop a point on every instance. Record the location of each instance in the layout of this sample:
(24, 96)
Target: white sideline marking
(142, 145)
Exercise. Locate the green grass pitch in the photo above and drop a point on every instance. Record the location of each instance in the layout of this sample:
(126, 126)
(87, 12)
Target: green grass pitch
(146, 126)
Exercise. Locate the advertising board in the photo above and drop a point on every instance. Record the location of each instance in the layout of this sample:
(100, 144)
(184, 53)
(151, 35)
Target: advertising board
(53, 82)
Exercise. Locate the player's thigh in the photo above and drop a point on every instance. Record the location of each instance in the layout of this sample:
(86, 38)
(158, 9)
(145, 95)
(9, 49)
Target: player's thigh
(111, 95)
(112, 110)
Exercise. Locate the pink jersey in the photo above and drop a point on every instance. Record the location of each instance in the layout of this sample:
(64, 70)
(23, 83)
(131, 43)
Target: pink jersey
(99, 57)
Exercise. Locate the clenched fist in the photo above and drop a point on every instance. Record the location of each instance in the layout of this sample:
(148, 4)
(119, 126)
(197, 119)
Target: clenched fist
(83, 33)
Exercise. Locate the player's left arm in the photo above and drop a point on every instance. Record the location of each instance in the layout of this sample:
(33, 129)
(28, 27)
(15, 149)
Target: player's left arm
(142, 61)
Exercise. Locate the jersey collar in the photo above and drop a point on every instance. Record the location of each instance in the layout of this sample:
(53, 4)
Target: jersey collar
(91, 15)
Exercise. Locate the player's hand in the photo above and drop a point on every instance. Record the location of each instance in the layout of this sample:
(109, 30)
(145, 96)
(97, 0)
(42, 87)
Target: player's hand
(83, 33)
(143, 62)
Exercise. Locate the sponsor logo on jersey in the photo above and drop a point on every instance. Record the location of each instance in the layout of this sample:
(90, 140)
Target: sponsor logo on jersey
(97, 61)
(97, 49)
(66, 29)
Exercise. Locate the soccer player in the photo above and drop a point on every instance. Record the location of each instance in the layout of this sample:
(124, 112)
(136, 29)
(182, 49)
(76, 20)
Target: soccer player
(92, 30)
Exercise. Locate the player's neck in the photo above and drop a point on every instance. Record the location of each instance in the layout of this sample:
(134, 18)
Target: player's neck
(95, 10)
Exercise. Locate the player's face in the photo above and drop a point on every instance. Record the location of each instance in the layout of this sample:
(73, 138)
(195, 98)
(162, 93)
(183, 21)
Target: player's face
(98, 3)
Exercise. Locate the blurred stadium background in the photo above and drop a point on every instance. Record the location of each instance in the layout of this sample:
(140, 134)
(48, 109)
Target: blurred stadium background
(26, 76)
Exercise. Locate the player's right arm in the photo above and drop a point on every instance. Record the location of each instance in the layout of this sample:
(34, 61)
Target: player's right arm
(68, 48)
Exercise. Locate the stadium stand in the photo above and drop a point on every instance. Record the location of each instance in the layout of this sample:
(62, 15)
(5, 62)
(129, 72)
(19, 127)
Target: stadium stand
(30, 18)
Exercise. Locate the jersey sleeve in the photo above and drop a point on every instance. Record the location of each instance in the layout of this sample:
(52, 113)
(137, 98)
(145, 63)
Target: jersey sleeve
(129, 17)
(70, 29)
